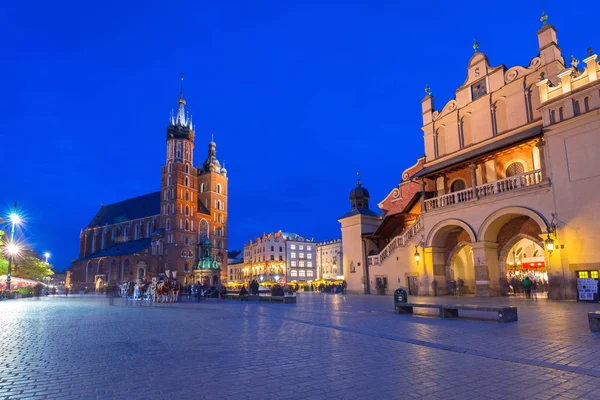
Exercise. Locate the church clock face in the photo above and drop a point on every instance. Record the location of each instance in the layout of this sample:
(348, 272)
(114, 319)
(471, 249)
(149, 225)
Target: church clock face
(478, 89)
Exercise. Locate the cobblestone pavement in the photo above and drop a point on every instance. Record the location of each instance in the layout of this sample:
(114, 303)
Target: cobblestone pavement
(324, 347)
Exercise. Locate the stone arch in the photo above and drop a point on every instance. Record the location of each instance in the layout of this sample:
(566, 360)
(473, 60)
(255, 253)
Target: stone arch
(459, 264)
(494, 222)
(436, 236)
(504, 250)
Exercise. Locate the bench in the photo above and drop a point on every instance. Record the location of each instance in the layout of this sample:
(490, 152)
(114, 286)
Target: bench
(594, 321)
(505, 314)
(408, 308)
(279, 299)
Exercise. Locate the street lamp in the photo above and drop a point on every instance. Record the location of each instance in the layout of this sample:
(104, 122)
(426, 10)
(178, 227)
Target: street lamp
(47, 255)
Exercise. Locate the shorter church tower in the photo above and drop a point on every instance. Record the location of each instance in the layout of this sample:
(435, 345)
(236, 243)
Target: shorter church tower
(213, 193)
(357, 223)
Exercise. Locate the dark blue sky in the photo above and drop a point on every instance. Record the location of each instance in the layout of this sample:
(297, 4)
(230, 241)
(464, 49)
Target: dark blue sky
(299, 95)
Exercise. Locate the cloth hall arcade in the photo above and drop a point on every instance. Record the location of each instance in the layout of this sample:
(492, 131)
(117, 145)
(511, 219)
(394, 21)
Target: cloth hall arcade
(509, 185)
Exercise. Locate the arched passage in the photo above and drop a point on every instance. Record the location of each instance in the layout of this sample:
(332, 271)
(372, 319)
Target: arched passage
(503, 234)
(450, 243)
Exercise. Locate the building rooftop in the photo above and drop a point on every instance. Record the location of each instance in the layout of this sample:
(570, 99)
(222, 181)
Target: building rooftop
(127, 210)
(121, 249)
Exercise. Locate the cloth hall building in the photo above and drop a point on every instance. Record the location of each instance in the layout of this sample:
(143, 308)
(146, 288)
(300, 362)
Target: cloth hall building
(182, 228)
(509, 185)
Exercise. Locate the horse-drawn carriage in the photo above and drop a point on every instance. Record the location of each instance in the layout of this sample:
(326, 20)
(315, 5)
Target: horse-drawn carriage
(159, 291)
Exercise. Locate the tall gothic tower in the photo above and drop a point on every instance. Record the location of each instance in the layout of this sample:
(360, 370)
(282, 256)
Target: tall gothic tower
(213, 193)
(179, 194)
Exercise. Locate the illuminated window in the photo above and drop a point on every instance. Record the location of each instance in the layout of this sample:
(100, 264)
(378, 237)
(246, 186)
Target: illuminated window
(293, 247)
(301, 247)
(594, 274)
(583, 274)
(293, 255)
(309, 273)
(302, 273)
(293, 263)
(308, 247)
(294, 273)
(309, 256)
(301, 255)
(302, 264)
(309, 264)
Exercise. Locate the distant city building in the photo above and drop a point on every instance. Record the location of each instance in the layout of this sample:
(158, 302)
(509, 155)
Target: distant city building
(301, 258)
(280, 257)
(329, 259)
(58, 279)
(235, 265)
(181, 229)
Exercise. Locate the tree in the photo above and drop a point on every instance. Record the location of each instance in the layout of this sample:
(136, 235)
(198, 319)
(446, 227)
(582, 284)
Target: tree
(31, 267)
(3, 261)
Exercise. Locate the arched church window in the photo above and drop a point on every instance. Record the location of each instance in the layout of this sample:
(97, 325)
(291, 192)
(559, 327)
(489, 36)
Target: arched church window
(178, 149)
(187, 181)
(202, 187)
(168, 225)
(187, 225)
(203, 231)
(187, 168)
(514, 169)
(458, 185)
(169, 181)
(187, 196)
(552, 116)
(170, 167)
(560, 114)
(187, 210)
(219, 188)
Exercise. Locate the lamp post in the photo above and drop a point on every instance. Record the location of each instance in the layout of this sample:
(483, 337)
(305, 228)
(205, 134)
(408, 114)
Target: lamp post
(47, 255)
(12, 248)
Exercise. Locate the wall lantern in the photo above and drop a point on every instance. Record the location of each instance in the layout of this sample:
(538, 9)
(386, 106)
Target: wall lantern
(417, 255)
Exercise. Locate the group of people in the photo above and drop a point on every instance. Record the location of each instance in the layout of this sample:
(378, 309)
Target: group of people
(199, 291)
(333, 288)
(527, 285)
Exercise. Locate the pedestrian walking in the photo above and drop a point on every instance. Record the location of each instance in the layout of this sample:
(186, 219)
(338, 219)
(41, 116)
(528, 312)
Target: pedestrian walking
(527, 288)
(460, 283)
(534, 286)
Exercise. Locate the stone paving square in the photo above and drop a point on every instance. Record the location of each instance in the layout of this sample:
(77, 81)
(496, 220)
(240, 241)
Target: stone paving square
(324, 347)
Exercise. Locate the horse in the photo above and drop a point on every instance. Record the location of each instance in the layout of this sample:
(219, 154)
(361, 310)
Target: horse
(174, 291)
(162, 291)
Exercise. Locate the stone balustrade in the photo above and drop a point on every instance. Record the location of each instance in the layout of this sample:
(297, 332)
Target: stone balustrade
(528, 179)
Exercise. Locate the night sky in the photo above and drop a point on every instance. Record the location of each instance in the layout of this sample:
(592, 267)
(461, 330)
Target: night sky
(299, 97)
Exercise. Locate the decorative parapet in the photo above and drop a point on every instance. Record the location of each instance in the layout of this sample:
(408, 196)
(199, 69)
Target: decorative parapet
(571, 79)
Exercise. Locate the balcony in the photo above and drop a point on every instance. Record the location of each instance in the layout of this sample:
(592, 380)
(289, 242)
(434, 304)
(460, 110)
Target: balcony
(510, 184)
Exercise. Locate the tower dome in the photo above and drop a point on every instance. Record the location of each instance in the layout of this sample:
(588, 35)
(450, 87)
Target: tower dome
(359, 196)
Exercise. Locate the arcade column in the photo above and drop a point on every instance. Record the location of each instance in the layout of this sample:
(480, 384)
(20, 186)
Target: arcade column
(487, 276)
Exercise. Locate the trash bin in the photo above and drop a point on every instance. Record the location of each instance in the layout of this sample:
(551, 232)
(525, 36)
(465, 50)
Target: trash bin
(400, 297)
